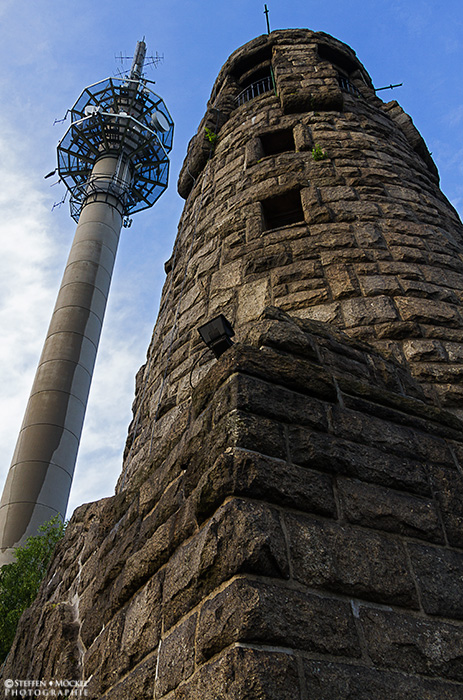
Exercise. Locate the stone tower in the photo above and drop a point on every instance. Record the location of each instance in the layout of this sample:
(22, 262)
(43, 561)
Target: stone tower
(288, 522)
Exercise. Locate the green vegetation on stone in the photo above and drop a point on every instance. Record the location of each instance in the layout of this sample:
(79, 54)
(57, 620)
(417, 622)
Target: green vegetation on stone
(211, 136)
(318, 153)
(20, 580)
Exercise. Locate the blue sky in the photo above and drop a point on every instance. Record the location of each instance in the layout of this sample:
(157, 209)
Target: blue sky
(51, 50)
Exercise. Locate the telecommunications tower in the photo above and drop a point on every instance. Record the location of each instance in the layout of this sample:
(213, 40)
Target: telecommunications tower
(113, 160)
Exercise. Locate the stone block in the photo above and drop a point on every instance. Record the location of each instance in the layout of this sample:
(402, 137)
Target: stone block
(207, 559)
(244, 674)
(448, 489)
(283, 336)
(370, 430)
(325, 680)
(413, 644)
(363, 312)
(105, 661)
(303, 138)
(253, 433)
(139, 683)
(374, 285)
(342, 456)
(340, 282)
(381, 508)
(260, 398)
(176, 656)
(350, 561)
(439, 573)
(418, 350)
(251, 475)
(142, 629)
(428, 311)
(260, 613)
(252, 298)
(228, 276)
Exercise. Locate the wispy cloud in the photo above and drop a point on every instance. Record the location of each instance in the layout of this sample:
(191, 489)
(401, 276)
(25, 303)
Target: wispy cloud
(29, 271)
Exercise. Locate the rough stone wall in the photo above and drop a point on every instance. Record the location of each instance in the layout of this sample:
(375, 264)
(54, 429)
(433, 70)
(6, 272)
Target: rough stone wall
(302, 539)
(377, 251)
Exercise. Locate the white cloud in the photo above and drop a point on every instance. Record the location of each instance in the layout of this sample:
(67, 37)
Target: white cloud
(29, 272)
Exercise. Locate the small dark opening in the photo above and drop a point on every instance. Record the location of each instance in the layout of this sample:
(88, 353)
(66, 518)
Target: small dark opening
(283, 210)
(339, 59)
(278, 142)
(258, 74)
(247, 63)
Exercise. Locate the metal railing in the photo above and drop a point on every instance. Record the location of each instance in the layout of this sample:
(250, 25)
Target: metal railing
(255, 89)
(347, 86)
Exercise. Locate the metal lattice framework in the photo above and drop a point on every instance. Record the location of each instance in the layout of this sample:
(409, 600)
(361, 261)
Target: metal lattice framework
(118, 117)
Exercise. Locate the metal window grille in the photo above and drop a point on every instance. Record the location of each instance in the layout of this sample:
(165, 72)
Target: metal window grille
(255, 89)
(347, 86)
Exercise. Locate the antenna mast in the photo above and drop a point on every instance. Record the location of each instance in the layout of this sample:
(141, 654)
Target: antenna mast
(113, 160)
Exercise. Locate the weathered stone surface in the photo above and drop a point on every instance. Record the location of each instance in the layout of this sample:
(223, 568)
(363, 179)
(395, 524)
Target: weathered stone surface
(381, 508)
(364, 462)
(331, 681)
(448, 484)
(207, 560)
(260, 613)
(412, 644)
(245, 473)
(176, 656)
(439, 574)
(138, 683)
(350, 561)
(245, 674)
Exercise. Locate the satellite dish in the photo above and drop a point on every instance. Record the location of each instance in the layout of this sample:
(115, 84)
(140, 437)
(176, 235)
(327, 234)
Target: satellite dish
(159, 121)
(92, 109)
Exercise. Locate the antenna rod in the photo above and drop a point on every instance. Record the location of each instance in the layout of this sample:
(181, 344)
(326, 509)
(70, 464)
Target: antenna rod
(138, 61)
(388, 87)
(266, 17)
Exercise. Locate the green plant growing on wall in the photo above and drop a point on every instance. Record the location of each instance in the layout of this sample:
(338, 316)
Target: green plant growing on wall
(211, 136)
(318, 153)
(20, 581)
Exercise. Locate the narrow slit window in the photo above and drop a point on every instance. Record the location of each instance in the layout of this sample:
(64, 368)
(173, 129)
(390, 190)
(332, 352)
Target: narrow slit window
(277, 142)
(282, 210)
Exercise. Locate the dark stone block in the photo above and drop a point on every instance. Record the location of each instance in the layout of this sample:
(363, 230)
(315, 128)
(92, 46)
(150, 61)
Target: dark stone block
(261, 613)
(382, 434)
(266, 363)
(439, 574)
(365, 462)
(245, 473)
(139, 683)
(255, 433)
(176, 657)
(448, 485)
(284, 335)
(350, 561)
(209, 558)
(331, 681)
(105, 661)
(381, 508)
(413, 644)
(147, 560)
(244, 674)
(264, 399)
(142, 623)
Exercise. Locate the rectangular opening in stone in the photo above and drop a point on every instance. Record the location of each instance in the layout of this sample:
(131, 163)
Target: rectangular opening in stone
(277, 142)
(252, 64)
(283, 210)
(337, 58)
